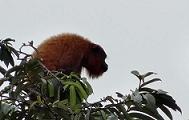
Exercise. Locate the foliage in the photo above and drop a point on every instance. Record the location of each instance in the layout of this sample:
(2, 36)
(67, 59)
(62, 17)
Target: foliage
(33, 92)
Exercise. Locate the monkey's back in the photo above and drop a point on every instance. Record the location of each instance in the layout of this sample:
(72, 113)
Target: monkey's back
(61, 51)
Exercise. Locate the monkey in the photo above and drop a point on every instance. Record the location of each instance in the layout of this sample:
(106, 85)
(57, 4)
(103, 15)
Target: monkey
(68, 52)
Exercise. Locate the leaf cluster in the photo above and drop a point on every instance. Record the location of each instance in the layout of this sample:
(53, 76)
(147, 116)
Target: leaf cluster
(35, 93)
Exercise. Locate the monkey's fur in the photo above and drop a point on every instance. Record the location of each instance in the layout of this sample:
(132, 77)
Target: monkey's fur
(70, 53)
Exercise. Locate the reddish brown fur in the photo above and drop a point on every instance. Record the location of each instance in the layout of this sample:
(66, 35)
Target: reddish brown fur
(71, 52)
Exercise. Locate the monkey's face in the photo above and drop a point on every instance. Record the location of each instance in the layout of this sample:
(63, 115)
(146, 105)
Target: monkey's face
(96, 64)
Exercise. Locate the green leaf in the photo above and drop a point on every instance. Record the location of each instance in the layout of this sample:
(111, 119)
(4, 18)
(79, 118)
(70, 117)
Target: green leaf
(119, 95)
(2, 70)
(87, 86)
(1, 82)
(8, 59)
(81, 90)
(166, 111)
(50, 88)
(150, 81)
(33, 104)
(148, 74)
(112, 117)
(147, 90)
(44, 81)
(19, 89)
(13, 69)
(136, 73)
(72, 95)
(76, 108)
(140, 116)
(44, 86)
(116, 112)
(74, 75)
(6, 108)
(122, 109)
(146, 110)
(14, 51)
(136, 97)
(153, 112)
(5, 55)
(151, 101)
(80, 95)
(61, 104)
(103, 114)
(159, 91)
(87, 117)
(165, 99)
(7, 40)
(66, 86)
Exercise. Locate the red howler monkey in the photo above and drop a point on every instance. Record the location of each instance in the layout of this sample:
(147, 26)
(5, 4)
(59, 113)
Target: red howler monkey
(70, 53)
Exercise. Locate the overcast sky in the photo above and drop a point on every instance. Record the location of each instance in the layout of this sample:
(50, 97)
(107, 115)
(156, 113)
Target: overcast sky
(144, 35)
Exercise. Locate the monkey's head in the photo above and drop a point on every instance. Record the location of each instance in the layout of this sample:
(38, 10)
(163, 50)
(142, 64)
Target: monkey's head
(94, 61)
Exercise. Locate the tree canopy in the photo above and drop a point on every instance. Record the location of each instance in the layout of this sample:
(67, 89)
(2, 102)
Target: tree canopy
(29, 91)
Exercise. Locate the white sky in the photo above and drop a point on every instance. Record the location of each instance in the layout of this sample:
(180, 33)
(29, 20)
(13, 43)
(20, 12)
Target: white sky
(146, 35)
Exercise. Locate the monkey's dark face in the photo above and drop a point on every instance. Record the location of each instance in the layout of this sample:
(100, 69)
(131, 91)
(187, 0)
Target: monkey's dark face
(96, 64)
